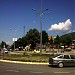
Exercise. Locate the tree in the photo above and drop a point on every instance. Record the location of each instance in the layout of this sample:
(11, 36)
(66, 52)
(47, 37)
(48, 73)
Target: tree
(33, 37)
(51, 40)
(3, 44)
(57, 40)
(44, 37)
(66, 40)
(18, 43)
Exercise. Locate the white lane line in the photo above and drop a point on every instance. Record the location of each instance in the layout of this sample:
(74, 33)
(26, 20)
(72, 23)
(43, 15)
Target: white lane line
(36, 72)
(12, 70)
(62, 72)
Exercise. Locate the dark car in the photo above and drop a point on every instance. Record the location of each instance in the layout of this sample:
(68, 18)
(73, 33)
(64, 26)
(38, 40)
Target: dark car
(62, 60)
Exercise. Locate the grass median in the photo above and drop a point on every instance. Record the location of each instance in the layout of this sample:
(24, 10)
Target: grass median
(27, 57)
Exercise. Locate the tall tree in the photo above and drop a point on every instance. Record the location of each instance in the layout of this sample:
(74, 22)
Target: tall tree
(57, 40)
(33, 37)
(44, 37)
(3, 44)
(66, 40)
(51, 40)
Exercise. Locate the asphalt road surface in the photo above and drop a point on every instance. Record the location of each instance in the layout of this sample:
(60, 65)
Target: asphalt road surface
(27, 69)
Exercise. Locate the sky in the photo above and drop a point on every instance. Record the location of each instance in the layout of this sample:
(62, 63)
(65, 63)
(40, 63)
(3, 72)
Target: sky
(17, 17)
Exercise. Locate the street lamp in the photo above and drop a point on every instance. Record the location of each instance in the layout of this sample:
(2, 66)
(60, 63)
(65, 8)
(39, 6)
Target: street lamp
(41, 13)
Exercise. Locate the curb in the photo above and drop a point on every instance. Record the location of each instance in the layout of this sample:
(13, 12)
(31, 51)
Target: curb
(19, 62)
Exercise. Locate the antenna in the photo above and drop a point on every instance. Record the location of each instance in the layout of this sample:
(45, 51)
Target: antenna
(24, 29)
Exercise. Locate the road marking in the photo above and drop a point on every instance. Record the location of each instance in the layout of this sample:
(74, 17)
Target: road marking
(24, 62)
(36, 72)
(62, 72)
(12, 70)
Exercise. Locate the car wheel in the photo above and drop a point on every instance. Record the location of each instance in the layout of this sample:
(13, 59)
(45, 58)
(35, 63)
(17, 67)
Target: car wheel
(60, 65)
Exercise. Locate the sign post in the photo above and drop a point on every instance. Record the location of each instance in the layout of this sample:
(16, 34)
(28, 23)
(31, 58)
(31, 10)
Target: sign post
(14, 39)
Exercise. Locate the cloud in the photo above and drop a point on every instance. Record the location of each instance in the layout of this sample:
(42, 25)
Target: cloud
(62, 26)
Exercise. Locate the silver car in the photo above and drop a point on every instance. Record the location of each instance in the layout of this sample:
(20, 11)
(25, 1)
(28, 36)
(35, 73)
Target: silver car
(62, 60)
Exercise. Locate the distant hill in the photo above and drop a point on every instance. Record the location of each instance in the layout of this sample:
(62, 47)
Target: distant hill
(70, 34)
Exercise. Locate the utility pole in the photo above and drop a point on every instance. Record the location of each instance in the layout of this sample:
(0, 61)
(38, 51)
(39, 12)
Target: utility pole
(41, 28)
(41, 13)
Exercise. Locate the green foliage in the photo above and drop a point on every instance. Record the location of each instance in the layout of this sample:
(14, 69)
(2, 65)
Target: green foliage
(27, 57)
(33, 37)
(44, 37)
(51, 41)
(66, 40)
(3, 44)
(57, 40)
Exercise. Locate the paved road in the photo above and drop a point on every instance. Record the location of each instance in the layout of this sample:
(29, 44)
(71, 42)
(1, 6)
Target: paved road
(25, 69)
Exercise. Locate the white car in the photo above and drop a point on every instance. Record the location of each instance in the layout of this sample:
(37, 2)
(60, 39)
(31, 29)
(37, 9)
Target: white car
(5, 50)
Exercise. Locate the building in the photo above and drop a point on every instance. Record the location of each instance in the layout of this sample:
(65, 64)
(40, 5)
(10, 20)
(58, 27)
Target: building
(49, 37)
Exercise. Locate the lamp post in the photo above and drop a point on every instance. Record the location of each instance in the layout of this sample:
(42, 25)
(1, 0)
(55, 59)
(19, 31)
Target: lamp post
(41, 13)
(41, 28)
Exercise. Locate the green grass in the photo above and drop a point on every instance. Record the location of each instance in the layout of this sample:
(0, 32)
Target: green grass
(27, 57)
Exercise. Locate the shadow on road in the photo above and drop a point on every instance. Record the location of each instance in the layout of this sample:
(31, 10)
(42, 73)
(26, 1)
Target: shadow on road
(55, 66)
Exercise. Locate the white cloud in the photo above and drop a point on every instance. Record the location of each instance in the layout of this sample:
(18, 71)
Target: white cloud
(62, 26)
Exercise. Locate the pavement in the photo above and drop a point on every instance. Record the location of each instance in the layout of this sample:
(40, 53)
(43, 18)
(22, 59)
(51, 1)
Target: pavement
(24, 69)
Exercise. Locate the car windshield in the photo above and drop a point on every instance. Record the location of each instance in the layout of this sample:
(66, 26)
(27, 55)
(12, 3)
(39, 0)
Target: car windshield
(61, 56)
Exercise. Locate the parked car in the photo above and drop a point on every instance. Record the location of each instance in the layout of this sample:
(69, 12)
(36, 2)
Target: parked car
(36, 51)
(5, 50)
(68, 49)
(62, 60)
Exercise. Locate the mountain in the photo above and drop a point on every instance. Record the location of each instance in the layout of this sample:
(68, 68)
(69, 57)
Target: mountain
(69, 34)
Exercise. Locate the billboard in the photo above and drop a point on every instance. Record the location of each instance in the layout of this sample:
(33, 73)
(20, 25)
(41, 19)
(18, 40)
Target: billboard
(14, 39)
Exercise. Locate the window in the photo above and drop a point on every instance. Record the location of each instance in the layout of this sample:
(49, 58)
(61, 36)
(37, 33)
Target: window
(66, 57)
(72, 56)
(61, 56)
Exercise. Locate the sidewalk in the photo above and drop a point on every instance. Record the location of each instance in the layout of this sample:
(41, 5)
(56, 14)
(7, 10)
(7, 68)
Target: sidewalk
(69, 52)
(65, 52)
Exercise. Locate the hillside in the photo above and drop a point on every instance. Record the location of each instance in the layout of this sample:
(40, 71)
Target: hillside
(70, 34)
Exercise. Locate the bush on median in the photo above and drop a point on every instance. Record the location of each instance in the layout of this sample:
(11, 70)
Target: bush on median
(27, 57)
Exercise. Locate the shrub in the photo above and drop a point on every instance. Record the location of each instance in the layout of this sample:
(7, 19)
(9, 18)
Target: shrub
(27, 57)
